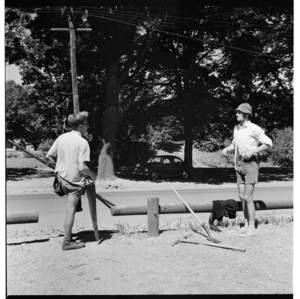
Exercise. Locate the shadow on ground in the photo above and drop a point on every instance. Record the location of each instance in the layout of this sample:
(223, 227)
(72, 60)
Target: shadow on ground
(216, 176)
(89, 236)
(17, 174)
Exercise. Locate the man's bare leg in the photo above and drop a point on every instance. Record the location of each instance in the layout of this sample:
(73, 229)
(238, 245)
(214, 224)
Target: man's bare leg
(248, 197)
(241, 188)
(68, 244)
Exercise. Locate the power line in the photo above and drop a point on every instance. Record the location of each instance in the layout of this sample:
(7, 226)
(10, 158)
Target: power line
(127, 18)
(140, 13)
(165, 22)
(275, 33)
(183, 36)
(237, 23)
(111, 16)
(282, 33)
(133, 15)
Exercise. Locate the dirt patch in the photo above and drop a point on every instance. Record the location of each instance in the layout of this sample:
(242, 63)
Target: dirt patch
(136, 264)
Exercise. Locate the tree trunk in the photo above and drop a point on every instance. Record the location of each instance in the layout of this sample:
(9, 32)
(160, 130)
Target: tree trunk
(188, 138)
(110, 117)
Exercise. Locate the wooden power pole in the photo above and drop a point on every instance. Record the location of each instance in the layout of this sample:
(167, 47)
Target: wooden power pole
(69, 10)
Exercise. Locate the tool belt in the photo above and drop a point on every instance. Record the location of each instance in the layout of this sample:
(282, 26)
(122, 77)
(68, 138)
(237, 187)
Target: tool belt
(254, 158)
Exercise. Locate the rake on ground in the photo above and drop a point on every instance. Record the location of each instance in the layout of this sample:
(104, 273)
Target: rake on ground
(210, 238)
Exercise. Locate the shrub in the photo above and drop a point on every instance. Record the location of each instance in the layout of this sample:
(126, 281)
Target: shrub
(282, 153)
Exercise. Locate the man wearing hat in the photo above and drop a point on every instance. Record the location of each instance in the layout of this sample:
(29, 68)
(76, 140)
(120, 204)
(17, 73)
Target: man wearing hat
(248, 140)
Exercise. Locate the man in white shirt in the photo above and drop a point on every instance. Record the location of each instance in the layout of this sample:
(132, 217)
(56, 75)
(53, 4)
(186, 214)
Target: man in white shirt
(249, 139)
(70, 152)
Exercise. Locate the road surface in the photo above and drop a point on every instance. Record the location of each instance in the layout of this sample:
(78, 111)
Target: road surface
(51, 208)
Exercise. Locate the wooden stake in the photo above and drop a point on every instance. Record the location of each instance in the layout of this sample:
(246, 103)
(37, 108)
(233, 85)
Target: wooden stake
(91, 195)
(153, 217)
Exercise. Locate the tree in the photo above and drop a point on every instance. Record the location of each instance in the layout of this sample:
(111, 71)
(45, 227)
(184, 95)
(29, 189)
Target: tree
(185, 85)
(115, 46)
(27, 118)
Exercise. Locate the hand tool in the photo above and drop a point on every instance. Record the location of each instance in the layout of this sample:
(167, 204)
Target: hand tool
(211, 244)
(210, 238)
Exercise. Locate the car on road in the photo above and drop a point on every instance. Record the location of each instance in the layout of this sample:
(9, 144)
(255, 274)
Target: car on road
(162, 166)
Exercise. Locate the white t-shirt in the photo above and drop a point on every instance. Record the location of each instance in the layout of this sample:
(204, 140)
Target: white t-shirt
(70, 149)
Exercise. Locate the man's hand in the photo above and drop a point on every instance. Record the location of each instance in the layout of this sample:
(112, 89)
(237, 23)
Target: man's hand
(93, 177)
(225, 153)
(249, 154)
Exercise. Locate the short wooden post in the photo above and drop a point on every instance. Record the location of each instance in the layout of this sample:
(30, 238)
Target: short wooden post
(153, 217)
(91, 195)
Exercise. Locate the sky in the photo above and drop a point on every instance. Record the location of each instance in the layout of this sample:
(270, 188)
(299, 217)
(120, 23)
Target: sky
(12, 73)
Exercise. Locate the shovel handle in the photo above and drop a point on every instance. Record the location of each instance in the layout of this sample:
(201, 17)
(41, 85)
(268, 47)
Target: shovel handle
(186, 204)
(189, 208)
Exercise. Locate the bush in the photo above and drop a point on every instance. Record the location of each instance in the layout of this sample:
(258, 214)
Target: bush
(282, 153)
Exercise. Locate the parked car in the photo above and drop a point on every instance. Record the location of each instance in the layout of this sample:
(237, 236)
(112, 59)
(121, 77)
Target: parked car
(162, 166)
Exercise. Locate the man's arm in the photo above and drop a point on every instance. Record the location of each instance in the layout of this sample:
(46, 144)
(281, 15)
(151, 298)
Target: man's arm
(51, 161)
(265, 141)
(83, 168)
(261, 148)
(227, 149)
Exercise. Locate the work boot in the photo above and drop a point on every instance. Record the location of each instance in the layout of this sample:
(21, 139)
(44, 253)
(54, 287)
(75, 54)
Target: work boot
(70, 245)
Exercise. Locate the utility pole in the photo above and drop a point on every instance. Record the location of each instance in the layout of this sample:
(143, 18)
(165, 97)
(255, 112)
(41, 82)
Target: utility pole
(69, 10)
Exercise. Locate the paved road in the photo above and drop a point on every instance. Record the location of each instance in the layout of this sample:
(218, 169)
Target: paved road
(52, 208)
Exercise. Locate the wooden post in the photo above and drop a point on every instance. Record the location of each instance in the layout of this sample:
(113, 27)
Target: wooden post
(73, 62)
(69, 10)
(153, 217)
(18, 217)
(91, 195)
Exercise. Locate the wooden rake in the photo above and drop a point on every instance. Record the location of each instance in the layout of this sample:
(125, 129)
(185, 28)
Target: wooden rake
(210, 238)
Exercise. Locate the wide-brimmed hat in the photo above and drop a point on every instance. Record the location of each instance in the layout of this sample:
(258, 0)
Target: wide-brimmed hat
(245, 108)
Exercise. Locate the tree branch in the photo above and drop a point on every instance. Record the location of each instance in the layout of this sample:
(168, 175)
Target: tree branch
(137, 58)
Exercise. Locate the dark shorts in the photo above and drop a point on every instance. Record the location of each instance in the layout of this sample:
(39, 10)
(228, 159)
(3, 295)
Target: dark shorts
(70, 188)
(247, 171)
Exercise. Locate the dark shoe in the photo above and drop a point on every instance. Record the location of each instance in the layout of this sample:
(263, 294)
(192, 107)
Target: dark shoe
(72, 245)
